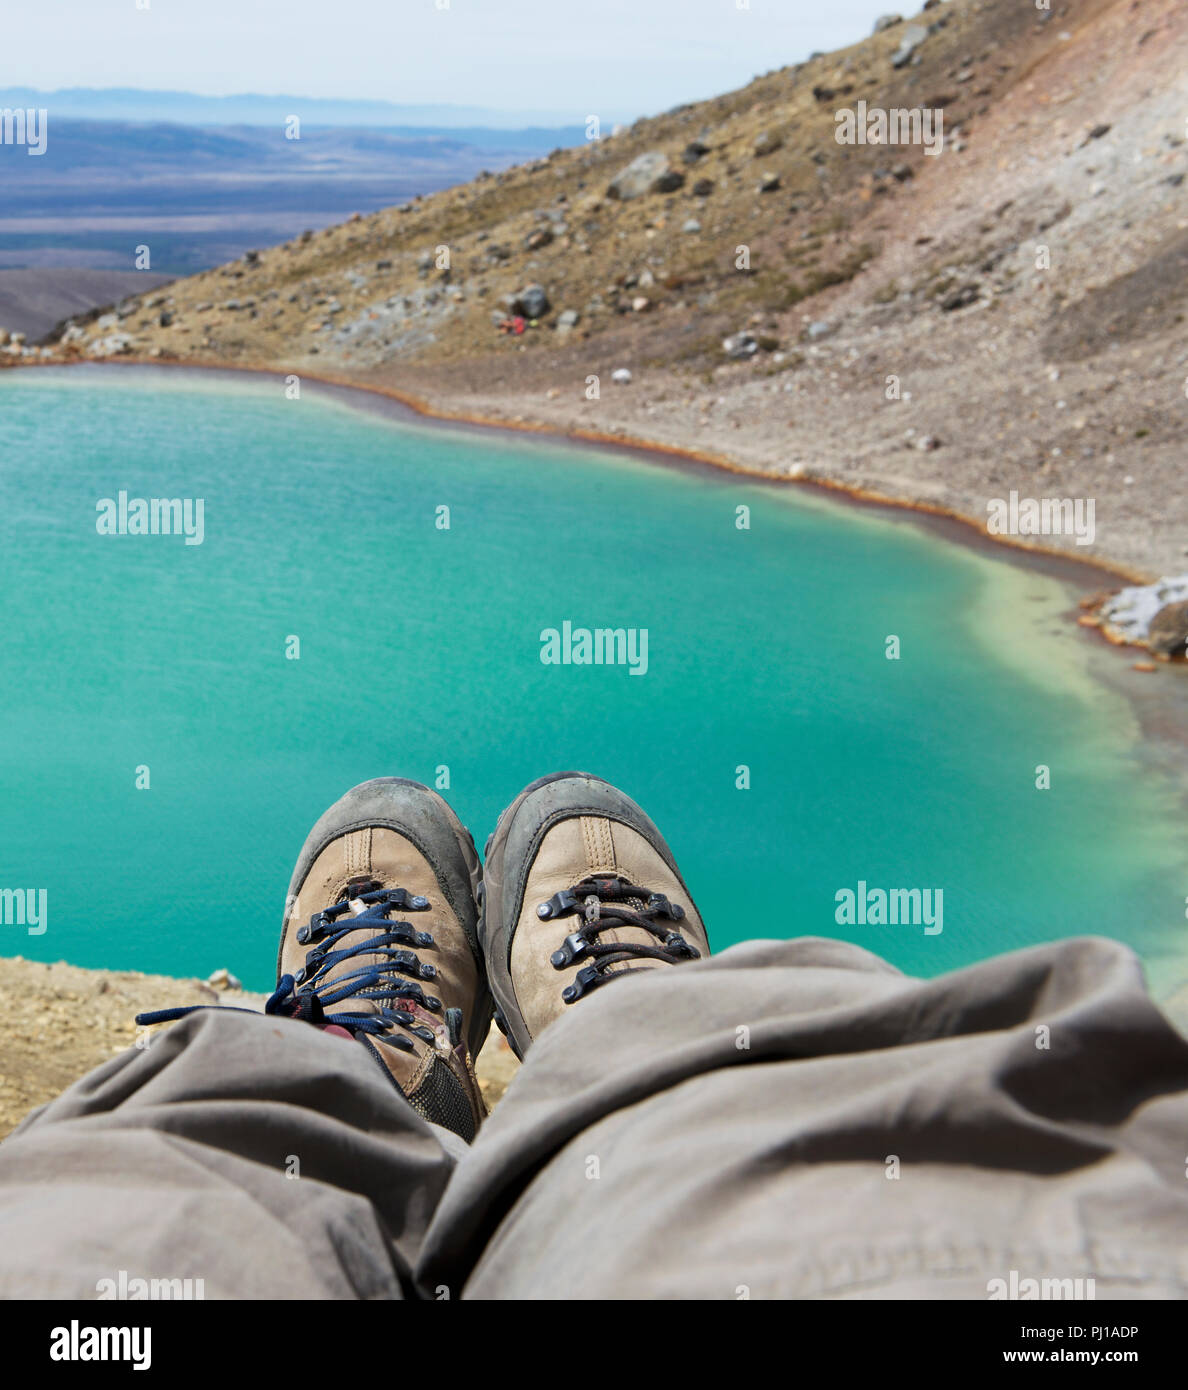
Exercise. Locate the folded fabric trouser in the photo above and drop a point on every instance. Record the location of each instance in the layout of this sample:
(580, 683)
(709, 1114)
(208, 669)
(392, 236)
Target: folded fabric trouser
(786, 1119)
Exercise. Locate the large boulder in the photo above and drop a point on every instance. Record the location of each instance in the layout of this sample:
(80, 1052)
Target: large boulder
(650, 173)
(1131, 614)
(1168, 632)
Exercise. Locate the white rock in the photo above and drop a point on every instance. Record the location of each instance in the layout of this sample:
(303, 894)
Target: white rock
(1130, 612)
(223, 979)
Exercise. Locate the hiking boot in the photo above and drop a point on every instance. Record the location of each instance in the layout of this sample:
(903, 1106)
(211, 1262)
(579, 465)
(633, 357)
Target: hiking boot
(579, 888)
(379, 943)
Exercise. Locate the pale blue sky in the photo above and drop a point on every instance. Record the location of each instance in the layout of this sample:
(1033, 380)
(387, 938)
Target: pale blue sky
(570, 58)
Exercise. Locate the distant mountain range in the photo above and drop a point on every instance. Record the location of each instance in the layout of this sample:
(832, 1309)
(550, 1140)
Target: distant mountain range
(189, 108)
(201, 195)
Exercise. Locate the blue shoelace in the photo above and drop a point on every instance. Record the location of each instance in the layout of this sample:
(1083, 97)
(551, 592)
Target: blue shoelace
(311, 996)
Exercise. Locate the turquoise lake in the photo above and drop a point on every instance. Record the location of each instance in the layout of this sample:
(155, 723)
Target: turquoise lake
(420, 648)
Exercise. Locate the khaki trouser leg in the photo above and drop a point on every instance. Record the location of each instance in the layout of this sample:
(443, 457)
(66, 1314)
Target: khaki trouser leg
(175, 1162)
(797, 1119)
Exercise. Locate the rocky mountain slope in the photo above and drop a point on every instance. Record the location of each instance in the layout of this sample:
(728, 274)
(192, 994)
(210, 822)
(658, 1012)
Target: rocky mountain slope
(1007, 314)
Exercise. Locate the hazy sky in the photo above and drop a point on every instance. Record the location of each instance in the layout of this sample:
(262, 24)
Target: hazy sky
(615, 58)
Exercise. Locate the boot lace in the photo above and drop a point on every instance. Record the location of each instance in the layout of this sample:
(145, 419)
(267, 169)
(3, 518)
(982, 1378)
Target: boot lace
(605, 904)
(310, 995)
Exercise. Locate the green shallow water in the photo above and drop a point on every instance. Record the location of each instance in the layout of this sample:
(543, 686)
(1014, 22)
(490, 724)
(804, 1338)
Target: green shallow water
(420, 648)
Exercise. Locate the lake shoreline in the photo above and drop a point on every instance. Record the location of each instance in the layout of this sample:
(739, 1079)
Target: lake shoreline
(962, 529)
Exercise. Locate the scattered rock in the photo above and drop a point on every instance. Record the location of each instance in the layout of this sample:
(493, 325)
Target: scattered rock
(765, 143)
(568, 318)
(694, 151)
(740, 346)
(887, 21)
(650, 173)
(703, 188)
(692, 226)
(223, 979)
(820, 329)
(542, 237)
(114, 345)
(913, 36)
(961, 298)
(532, 302)
(769, 183)
(621, 376)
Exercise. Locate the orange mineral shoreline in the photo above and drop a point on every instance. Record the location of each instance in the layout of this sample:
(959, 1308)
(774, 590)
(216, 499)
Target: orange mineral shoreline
(1084, 570)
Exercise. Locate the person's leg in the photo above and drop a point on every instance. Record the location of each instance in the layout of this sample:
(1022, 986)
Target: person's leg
(258, 1154)
(255, 1154)
(798, 1119)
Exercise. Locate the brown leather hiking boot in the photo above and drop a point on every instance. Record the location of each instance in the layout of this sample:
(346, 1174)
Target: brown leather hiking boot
(579, 888)
(380, 941)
